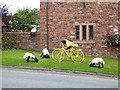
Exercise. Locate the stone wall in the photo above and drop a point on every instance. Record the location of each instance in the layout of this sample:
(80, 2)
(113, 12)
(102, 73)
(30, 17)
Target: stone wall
(62, 17)
(24, 41)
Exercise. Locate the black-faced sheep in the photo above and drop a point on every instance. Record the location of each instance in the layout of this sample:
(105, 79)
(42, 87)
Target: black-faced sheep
(45, 53)
(33, 32)
(69, 44)
(97, 61)
(30, 55)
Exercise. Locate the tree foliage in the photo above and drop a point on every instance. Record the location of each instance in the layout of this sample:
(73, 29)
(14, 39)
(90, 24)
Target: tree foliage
(25, 18)
(6, 16)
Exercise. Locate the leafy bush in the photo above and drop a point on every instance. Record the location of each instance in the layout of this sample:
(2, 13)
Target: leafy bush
(8, 42)
(24, 19)
(112, 39)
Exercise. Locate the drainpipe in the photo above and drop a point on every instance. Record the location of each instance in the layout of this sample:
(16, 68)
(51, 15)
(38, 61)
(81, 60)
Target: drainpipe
(47, 20)
(84, 4)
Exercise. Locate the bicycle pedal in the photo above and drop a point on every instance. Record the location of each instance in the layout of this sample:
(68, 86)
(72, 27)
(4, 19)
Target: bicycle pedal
(80, 49)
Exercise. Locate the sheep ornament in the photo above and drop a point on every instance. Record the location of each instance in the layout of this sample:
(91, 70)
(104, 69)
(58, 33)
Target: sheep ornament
(33, 32)
(97, 61)
(30, 55)
(69, 44)
(45, 53)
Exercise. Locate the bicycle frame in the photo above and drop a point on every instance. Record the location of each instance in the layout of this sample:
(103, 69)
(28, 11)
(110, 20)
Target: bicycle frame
(64, 49)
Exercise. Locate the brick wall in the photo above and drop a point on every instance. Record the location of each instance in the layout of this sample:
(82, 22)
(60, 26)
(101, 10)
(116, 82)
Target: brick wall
(24, 41)
(62, 17)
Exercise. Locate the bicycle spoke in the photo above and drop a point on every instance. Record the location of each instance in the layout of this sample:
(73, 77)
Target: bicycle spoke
(78, 56)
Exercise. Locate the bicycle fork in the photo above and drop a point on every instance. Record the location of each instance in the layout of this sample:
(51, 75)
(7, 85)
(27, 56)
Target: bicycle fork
(61, 55)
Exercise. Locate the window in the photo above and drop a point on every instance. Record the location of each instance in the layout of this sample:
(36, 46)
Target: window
(84, 32)
(77, 32)
(90, 32)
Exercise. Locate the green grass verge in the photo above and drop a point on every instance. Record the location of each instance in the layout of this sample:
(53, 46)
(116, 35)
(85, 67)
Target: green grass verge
(15, 58)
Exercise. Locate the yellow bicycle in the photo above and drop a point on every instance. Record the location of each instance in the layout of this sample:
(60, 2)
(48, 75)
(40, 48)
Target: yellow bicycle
(60, 53)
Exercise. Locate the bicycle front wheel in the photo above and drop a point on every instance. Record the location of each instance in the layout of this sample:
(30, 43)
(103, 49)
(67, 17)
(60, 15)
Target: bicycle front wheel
(58, 55)
(78, 56)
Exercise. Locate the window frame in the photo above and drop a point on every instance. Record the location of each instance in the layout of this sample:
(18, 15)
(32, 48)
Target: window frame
(87, 32)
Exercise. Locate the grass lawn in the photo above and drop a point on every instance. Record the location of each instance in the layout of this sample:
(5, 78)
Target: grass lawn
(15, 58)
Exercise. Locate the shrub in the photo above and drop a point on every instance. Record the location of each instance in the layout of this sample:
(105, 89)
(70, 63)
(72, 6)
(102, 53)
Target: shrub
(112, 39)
(8, 42)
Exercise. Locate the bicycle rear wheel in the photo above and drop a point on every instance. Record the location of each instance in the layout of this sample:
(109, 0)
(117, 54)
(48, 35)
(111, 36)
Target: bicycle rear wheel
(78, 56)
(58, 55)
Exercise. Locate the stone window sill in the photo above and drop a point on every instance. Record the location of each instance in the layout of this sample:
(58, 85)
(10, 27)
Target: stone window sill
(84, 42)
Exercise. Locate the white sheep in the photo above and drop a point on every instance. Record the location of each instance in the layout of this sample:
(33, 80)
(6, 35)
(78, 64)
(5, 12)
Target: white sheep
(30, 55)
(33, 32)
(45, 53)
(97, 61)
(69, 44)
